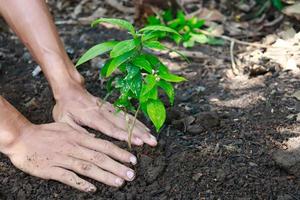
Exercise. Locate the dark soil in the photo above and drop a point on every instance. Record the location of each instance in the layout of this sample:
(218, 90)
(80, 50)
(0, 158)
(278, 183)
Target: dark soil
(218, 143)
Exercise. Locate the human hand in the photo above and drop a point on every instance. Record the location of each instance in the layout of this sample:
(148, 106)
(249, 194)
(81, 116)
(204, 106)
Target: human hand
(79, 108)
(56, 151)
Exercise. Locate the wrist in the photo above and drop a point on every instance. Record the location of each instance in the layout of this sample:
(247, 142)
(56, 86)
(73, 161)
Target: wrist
(62, 76)
(11, 125)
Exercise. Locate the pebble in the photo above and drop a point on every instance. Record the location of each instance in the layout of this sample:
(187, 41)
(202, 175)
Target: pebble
(196, 177)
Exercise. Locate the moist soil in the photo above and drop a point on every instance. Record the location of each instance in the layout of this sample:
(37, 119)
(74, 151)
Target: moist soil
(218, 143)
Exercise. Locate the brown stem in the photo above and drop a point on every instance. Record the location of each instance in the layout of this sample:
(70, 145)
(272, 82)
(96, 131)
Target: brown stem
(130, 129)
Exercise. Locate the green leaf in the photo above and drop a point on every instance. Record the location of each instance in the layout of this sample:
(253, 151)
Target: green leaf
(215, 41)
(136, 85)
(104, 68)
(167, 15)
(150, 83)
(95, 51)
(123, 47)
(163, 74)
(169, 89)
(119, 22)
(142, 63)
(200, 38)
(116, 62)
(153, 20)
(153, 35)
(172, 78)
(110, 83)
(159, 28)
(277, 4)
(152, 94)
(154, 45)
(157, 113)
(154, 61)
(132, 71)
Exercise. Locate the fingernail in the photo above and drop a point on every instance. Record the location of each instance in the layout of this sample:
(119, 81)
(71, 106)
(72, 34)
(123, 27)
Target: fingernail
(153, 139)
(92, 189)
(130, 174)
(133, 160)
(119, 181)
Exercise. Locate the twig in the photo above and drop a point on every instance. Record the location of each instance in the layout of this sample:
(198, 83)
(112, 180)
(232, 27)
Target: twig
(235, 40)
(132, 127)
(117, 5)
(233, 65)
(102, 101)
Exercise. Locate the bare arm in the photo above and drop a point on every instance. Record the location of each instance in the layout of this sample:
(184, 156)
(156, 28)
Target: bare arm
(32, 22)
(57, 150)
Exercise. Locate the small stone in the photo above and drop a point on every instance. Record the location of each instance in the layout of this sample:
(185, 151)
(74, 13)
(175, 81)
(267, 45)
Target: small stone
(21, 195)
(252, 164)
(196, 177)
(296, 95)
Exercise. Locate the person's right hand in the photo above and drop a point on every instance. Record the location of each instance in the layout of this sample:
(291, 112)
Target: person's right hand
(56, 151)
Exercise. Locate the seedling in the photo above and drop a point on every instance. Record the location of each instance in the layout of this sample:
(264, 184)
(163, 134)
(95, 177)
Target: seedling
(141, 74)
(189, 28)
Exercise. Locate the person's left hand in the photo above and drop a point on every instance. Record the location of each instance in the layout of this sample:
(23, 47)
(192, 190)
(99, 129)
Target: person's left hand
(79, 108)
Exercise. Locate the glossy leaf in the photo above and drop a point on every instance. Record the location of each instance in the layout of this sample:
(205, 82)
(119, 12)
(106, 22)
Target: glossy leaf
(159, 28)
(116, 62)
(172, 78)
(150, 83)
(142, 63)
(119, 22)
(277, 4)
(157, 113)
(136, 85)
(168, 88)
(153, 60)
(123, 47)
(95, 51)
(152, 94)
(132, 71)
(165, 75)
(154, 45)
(104, 68)
(153, 35)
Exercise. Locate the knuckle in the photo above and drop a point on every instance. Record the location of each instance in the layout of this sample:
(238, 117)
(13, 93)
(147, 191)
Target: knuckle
(99, 157)
(107, 144)
(83, 166)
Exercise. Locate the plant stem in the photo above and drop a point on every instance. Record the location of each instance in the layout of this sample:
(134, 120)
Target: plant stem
(102, 101)
(130, 129)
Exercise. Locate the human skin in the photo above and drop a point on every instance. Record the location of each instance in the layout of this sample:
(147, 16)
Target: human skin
(57, 150)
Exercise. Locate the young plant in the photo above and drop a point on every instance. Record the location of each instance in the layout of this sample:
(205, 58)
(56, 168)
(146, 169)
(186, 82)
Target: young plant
(187, 27)
(141, 74)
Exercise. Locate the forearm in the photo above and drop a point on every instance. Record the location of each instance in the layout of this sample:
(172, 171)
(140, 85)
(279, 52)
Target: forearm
(32, 22)
(11, 122)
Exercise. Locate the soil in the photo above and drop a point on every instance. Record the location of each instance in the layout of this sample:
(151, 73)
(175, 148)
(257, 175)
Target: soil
(221, 140)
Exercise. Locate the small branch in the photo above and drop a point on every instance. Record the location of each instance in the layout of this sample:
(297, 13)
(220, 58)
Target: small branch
(233, 65)
(117, 5)
(224, 37)
(130, 129)
(101, 102)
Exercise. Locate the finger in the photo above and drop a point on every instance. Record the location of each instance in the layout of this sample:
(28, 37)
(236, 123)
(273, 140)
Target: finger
(100, 123)
(104, 162)
(78, 127)
(107, 148)
(92, 171)
(70, 178)
(124, 124)
(122, 115)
